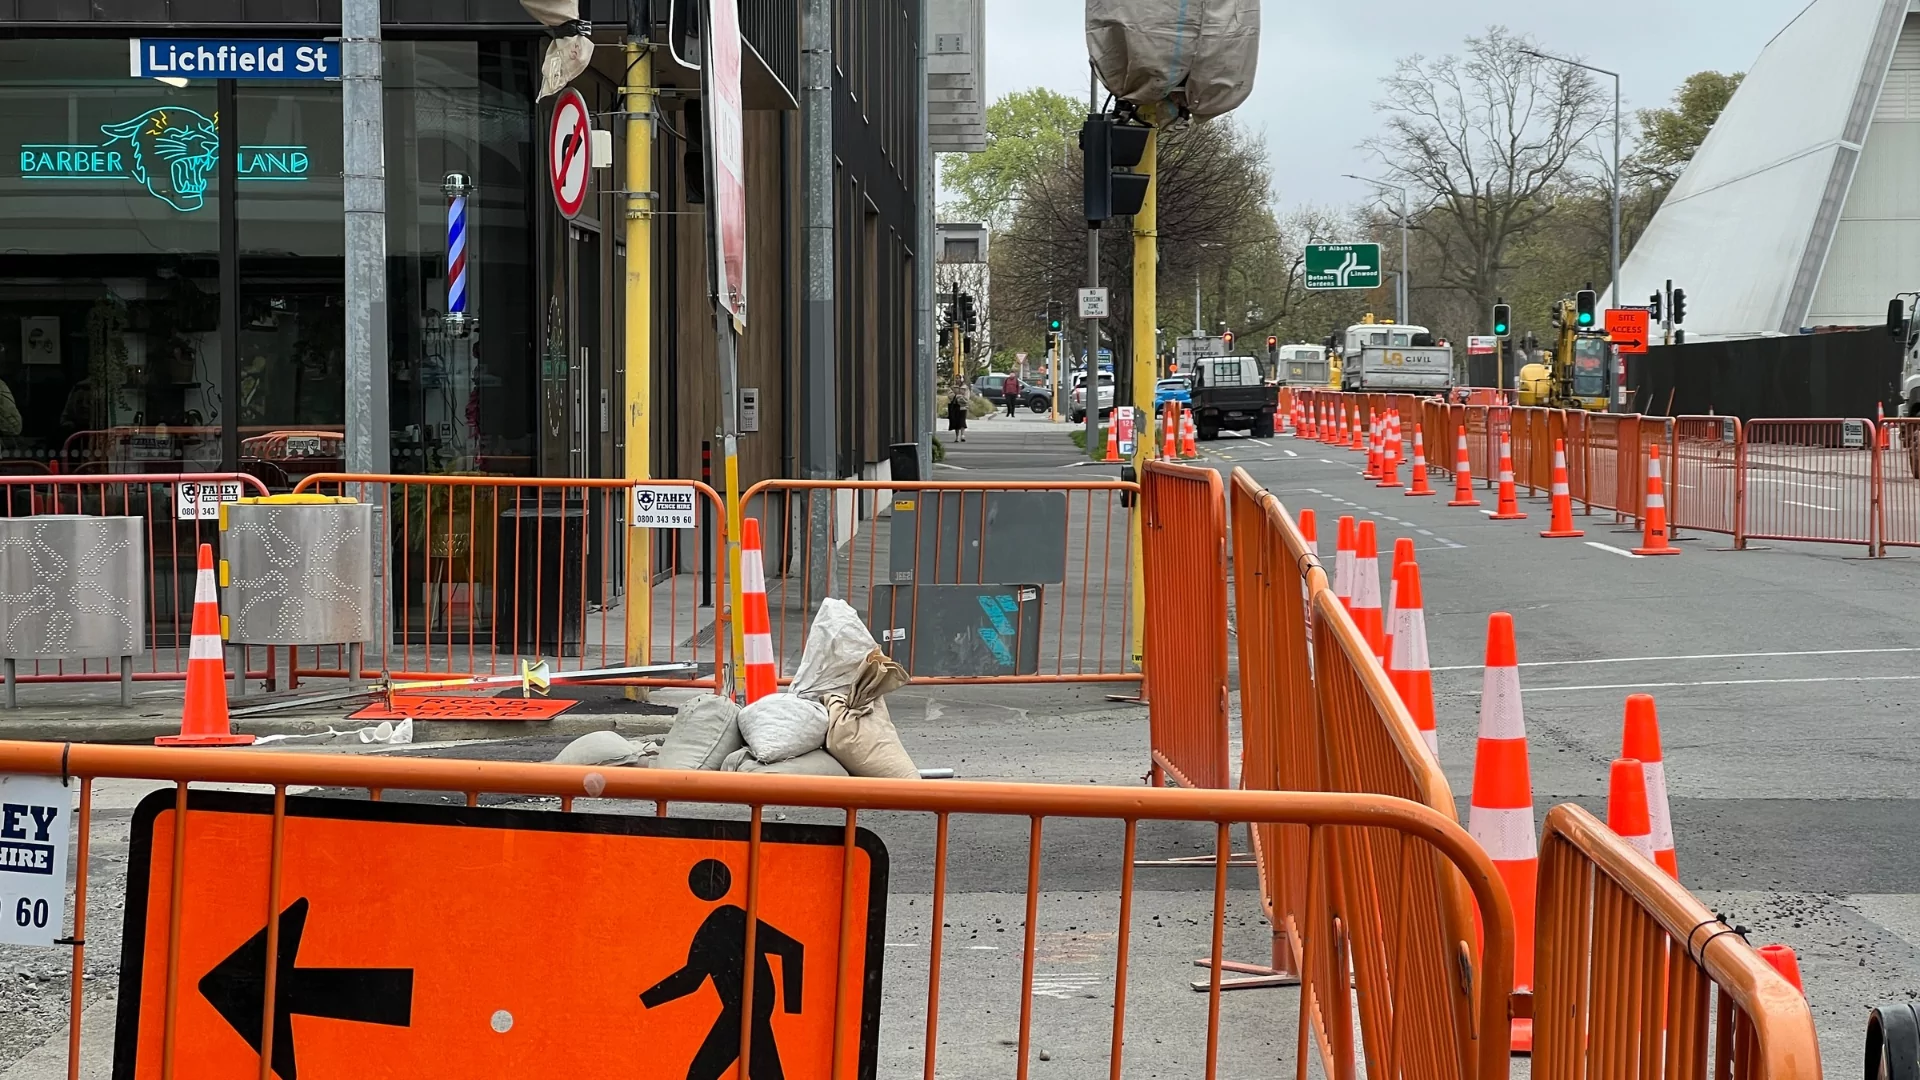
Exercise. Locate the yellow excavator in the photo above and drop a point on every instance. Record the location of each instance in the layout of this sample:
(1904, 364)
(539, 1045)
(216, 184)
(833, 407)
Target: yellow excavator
(1574, 374)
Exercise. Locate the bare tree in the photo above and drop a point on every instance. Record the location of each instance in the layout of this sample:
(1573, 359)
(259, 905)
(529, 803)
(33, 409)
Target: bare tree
(1487, 138)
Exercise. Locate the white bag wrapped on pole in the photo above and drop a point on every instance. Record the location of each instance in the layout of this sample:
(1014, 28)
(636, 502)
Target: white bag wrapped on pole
(1200, 54)
(837, 647)
(782, 726)
(571, 49)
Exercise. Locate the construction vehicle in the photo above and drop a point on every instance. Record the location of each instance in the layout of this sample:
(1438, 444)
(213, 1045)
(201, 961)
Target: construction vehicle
(1305, 365)
(1573, 375)
(1391, 356)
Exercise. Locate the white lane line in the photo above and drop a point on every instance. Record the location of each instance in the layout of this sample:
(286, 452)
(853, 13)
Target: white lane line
(1324, 461)
(1718, 682)
(1486, 511)
(1812, 506)
(1693, 656)
(1615, 550)
(1290, 453)
(1424, 532)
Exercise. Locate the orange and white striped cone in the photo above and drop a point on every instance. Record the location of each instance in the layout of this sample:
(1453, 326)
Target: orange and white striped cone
(1500, 813)
(1655, 541)
(762, 671)
(1509, 506)
(1358, 435)
(1561, 525)
(1188, 431)
(1402, 555)
(1640, 740)
(1627, 805)
(1310, 531)
(1111, 436)
(1366, 588)
(1374, 443)
(1390, 451)
(1420, 485)
(1343, 562)
(204, 720)
(1410, 671)
(1279, 419)
(1462, 473)
(1168, 448)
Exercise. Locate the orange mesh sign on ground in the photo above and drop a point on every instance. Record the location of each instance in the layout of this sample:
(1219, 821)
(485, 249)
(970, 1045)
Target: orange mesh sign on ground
(427, 941)
(455, 707)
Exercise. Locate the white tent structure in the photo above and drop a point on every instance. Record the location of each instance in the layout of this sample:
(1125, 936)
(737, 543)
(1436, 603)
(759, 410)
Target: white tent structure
(1802, 207)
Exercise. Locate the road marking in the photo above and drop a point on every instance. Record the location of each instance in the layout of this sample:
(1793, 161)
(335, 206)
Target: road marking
(1324, 461)
(905, 945)
(1486, 511)
(984, 948)
(1423, 532)
(1692, 656)
(1812, 506)
(1289, 453)
(1063, 987)
(1615, 550)
(1718, 682)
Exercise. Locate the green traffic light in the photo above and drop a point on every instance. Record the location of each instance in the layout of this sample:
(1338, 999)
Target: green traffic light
(1500, 329)
(1055, 325)
(1586, 318)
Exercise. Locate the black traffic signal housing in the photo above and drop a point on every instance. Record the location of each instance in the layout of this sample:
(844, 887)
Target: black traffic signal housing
(1679, 306)
(1110, 148)
(1226, 338)
(1584, 303)
(1653, 307)
(1502, 319)
(1272, 342)
(1897, 319)
(969, 319)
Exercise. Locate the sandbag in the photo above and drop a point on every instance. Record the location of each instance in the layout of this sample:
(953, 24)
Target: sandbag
(837, 647)
(1200, 54)
(598, 748)
(860, 733)
(816, 763)
(705, 730)
(782, 726)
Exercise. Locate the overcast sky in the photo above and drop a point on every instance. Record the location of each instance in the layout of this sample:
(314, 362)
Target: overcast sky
(1321, 62)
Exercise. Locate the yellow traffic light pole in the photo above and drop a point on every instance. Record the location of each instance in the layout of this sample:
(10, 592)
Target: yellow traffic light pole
(637, 361)
(1146, 317)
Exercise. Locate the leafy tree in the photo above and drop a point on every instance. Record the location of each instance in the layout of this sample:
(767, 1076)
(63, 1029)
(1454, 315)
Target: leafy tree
(1670, 136)
(1030, 134)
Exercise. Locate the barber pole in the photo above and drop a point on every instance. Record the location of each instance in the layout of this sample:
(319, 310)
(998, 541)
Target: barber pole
(457, 187)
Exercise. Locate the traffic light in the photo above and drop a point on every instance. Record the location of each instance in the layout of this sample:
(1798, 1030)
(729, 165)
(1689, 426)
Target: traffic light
(1653, 308)
(1584, 302)
(1272, 343)
(1226, 338)
(1109, 149)
(1897, 319)
(1502, 319)
(969, 319)
(1679, 306)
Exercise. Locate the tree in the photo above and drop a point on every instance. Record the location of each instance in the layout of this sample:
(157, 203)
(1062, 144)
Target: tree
(1030, 134)
(1486, 138)
(1670, 136)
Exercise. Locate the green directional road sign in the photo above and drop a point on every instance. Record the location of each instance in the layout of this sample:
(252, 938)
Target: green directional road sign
(1343, 266)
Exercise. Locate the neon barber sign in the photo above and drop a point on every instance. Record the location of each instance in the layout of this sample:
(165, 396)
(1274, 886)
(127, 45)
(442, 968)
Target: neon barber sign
(173, 152)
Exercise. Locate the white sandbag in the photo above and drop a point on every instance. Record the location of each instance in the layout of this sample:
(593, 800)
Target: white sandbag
(705, 730)
(733, 761)
(860, 733)
(598, 748)
(782, 726)
(837, 645)
(817, 763)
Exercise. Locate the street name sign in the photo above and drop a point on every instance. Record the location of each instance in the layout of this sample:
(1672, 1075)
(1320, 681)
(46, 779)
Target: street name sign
(234, 58)
(452, 942)
(1627, 328)
(1343, 266)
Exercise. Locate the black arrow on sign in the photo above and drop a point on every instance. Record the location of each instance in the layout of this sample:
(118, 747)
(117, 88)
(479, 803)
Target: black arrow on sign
(237, 989)
(1635, 343)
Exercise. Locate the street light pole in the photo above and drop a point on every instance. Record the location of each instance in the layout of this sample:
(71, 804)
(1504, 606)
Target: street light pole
(1400, 316)
(1619, 298)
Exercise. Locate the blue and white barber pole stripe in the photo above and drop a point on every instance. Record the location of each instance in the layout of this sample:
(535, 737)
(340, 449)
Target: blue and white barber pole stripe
(457, 255)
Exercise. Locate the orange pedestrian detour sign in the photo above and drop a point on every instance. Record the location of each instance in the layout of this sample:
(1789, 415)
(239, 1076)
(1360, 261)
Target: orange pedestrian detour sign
(429, 941)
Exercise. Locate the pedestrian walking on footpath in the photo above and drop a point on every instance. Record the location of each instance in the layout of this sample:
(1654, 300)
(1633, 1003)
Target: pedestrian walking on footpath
(1010, 392)
(957, 413)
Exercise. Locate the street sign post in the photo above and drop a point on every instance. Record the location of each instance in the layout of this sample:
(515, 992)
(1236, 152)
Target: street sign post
(1343, 266)
(1482, 344)
(569, 156)
(1627, 328)
(234, 58)
(1093, 303)
(452, 941)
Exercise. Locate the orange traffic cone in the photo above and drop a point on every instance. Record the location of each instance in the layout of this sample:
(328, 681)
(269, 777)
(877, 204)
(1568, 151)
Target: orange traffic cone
(756, 629)
(1462, 473)
(1372, 471)
(204, 721)
(1343, 562)
(1627, 805)
(1167, 448)
(1500, 813)
(1509, 507)
(1409, 667)
(1390, 450)
(1111, 436)
(1310, 531)
(1420, 485)
(1188, 448)
(1561, 525)
(1654, 541)
(1783, 960)
(1402, 554)
(1641, 741)
(1358, 438)
(1366, 588)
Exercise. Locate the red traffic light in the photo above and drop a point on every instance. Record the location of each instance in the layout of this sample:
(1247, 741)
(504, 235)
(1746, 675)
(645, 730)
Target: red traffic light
(1227, 338)
(1272, 342)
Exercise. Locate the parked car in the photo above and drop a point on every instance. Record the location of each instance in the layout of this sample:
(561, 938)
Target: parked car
(1175, 388)
(988, 386)
(1229, 393)
(1077, 411)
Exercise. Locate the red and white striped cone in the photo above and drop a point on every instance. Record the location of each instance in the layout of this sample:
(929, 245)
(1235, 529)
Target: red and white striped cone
(1654, 541)
(1640, 740)
(1462, 473)
(1169, 448)
(762, 671)
(1402, 554)
(1366, 588)
(1409, 668)
(1561, 525)
(1390, 455)
(1189, 432)
(1358, 434)
(1343, 562)
(1374, 447)
(1310, 531)
(1509, 506)
(1420, 486)
(1500, 813)
(204, 721)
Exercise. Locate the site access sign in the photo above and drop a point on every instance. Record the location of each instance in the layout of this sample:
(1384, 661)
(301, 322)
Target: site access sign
(1343, 266)
(456, 942)
(1628, 328)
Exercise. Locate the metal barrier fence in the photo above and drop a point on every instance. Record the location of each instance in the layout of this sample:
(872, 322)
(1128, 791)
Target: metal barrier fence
(1706, 476)
(1653, 983)
(1900, 482)
(482, 572)
(1813, 480)
(172, 545)
(1183, 543)
(915, 555)
(210, 878)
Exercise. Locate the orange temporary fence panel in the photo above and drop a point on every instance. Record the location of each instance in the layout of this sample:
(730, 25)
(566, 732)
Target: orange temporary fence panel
(1813, 479)
(1183, 544)
(1900, 482)
(1706, 488)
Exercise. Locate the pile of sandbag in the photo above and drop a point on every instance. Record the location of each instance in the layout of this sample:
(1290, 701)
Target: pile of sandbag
(832, 721)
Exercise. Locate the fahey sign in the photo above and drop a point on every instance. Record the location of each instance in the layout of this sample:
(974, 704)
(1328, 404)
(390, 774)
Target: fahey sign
(450, 942)
(34, 834)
